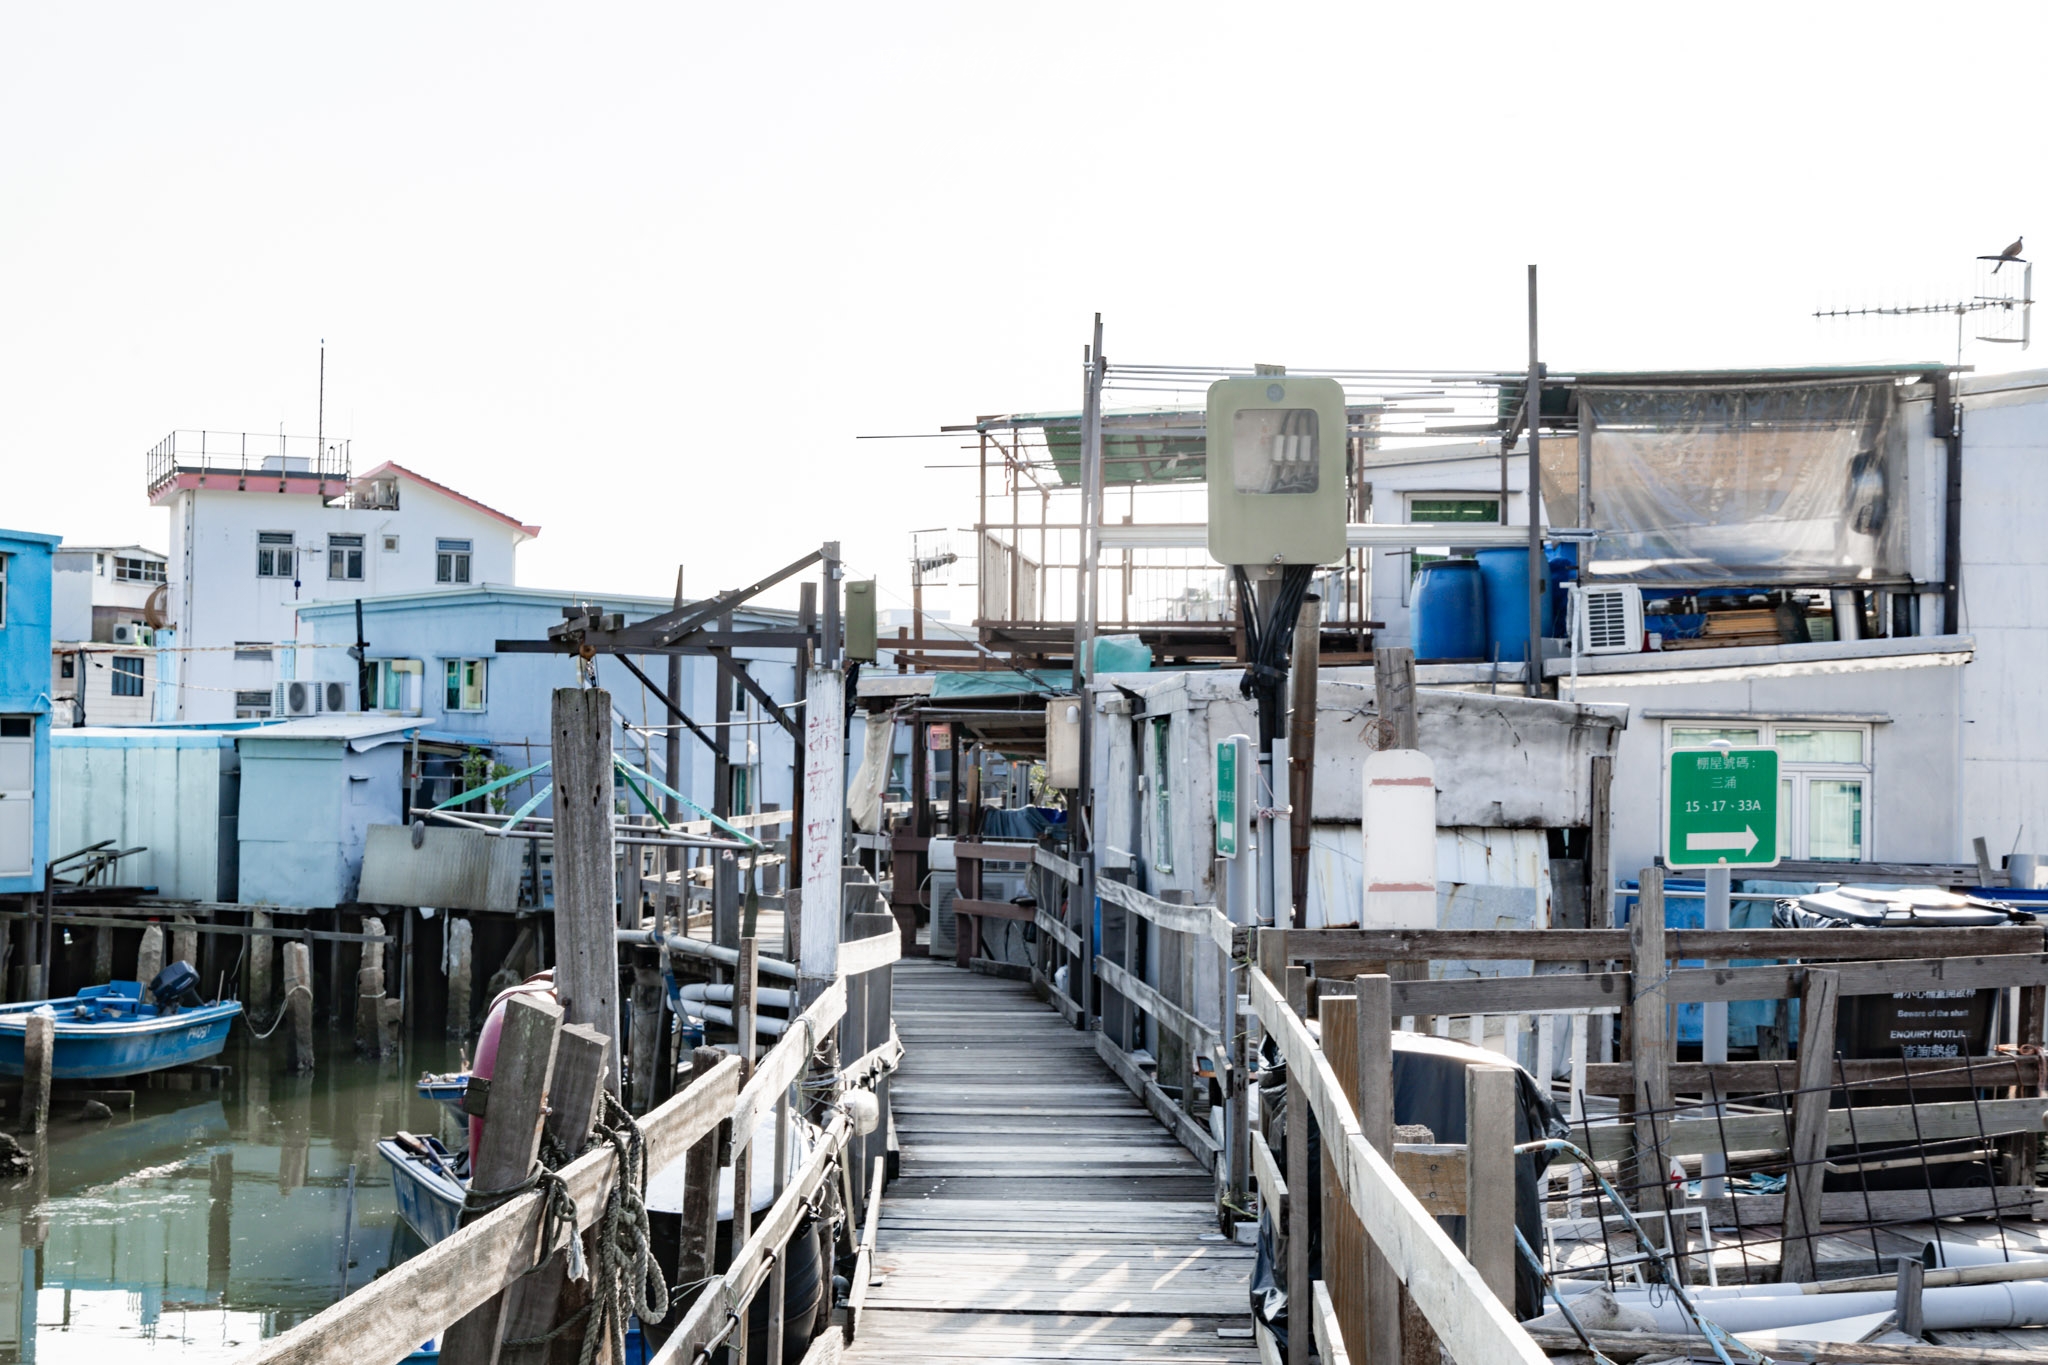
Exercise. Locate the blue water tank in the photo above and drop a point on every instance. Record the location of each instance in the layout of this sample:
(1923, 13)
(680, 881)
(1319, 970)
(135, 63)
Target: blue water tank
(1506, 572)
(1449, 611)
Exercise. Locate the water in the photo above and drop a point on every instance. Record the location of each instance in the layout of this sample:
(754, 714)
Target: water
(210, 1219)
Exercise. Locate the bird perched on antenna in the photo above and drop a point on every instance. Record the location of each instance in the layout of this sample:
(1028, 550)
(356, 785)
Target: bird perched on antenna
(2011, 253)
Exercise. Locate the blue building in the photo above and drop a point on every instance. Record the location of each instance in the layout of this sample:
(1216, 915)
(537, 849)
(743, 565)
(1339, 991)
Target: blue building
(24, 709)
(434, 656)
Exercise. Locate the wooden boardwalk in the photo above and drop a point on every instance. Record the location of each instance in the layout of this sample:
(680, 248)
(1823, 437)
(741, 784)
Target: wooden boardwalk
(1041, 1213)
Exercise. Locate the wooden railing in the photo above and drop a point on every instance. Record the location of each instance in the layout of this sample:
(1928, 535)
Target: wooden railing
(482, 1268)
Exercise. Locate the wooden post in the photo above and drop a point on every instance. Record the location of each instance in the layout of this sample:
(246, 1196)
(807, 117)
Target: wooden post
(149, 958)
(700, 1202)
(725, 898)
(38, 1055)
(1650, 1054)
(1238, 1091)
(298, 1005)
(1344, 1239)
(744, 984)
(1490, 1177)
(1600, 845)
(778, 1274)
(511, 1140)
(262, 967)
(1381, 1342)
(1907, 1307)
(1301, 749)
(461, 968)
(102, 955)
(1817, 1000)
(541, 1301)
(1300, 1339)
(1393, 680)
(672, 864)
(824, 788)
(370, 993)
(586, 955)
(648, 1000)
(185, 943)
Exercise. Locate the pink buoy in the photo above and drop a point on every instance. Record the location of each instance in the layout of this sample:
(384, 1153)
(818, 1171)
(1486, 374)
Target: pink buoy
(540, 983)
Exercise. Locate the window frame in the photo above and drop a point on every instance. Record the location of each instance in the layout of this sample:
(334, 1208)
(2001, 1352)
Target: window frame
(1795, 831)
(120, 677)
(453, 560)
(455, 687)
(269, 546)
(383, 670)
(345, 550)
(1420, 555)
(143, 570)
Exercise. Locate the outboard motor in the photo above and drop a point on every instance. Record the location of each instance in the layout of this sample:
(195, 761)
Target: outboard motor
(175, 986)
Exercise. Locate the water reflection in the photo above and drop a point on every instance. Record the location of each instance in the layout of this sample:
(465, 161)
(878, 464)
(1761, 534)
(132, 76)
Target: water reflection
(209, 1220)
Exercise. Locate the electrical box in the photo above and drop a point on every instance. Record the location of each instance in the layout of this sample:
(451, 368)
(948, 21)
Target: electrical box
(860, 620)
(1063, 743)
(1276, 470)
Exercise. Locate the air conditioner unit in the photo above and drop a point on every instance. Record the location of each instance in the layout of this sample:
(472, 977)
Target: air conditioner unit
(297, 697)
(1610, 620)
(944, 889)
(337, 696)
(128, 633)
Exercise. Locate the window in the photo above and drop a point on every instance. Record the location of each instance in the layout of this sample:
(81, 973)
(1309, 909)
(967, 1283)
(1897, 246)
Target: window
(129, 570)
(390, 545)
(451, 561)
(275, 557)
(345, 557)
(397, 685)
(127, 675)
(466, 684)
(252, 705)
(252, 651)
(1824, 777)
(1161, 778)
(67, 666)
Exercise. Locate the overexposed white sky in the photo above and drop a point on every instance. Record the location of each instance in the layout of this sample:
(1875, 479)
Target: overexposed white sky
(641, 273)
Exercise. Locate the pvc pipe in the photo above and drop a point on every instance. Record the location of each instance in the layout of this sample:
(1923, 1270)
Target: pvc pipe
(1940, 1255)
(1956, 1308)
(766, 995)
(764, 1025)
(710, 952)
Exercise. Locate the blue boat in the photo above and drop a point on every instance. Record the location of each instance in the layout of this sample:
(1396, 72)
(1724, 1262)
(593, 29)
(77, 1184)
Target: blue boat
(107, 1031)
(429, 1183)
(447, 1089)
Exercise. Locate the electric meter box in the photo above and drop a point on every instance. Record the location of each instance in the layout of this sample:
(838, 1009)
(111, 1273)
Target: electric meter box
(1276, 470)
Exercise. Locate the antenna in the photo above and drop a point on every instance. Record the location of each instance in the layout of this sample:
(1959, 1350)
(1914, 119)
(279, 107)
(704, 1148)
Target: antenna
(2005, 297)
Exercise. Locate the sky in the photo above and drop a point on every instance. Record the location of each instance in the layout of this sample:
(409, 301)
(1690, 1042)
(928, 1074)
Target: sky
(643, 274)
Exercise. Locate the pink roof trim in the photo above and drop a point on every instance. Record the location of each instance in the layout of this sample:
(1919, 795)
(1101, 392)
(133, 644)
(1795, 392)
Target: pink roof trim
(392, 467)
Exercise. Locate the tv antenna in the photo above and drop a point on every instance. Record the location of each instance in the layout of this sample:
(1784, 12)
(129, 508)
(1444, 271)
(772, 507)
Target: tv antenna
(2004, 300)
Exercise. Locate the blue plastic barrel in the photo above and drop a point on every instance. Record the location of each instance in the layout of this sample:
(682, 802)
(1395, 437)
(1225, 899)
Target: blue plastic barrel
(1506, 573)
(1450, 611)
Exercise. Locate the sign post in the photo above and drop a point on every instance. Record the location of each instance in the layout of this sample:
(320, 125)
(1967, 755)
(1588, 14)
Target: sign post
(1236, 762)
(1721, 812)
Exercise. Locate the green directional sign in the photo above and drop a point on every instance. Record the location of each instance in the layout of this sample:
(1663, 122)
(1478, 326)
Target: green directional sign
(1226, 799)
(1721, 808)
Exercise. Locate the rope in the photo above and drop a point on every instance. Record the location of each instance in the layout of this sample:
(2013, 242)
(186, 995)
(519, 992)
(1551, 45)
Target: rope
(282, 1011)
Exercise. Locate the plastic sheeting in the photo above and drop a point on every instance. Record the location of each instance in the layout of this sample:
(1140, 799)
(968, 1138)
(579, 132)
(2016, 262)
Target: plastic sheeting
(1746, 484)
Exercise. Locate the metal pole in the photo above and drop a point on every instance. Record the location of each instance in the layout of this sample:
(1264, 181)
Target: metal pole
(1714, 1026)
(1532, 679)
(1084, 637)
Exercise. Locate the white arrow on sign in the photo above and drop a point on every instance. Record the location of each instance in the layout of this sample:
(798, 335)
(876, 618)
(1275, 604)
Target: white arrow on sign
(1744, 842)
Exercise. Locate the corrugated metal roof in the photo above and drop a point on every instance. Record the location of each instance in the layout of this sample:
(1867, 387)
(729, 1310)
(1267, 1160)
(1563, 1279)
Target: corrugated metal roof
(341, 727)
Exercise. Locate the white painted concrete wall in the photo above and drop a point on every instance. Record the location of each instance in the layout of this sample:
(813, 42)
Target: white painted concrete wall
(1467, 469)
(216, 598)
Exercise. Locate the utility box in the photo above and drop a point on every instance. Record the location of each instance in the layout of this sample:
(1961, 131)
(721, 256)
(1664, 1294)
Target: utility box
(860, 620)
(1276, 470)
(1063, 743)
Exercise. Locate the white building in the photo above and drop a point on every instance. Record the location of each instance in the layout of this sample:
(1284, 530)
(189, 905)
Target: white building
(105, 603)
(261, 525)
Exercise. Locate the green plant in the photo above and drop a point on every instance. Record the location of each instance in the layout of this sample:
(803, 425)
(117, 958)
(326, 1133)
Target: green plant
(478, 769)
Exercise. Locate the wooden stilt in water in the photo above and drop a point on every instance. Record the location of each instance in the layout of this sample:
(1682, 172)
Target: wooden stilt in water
(505, 1153)
(185, 943)
(370, 993)
(38, 1054)
(102, 955)
(586, 952)
(298, 1006)
(461, 940)
(262, 963)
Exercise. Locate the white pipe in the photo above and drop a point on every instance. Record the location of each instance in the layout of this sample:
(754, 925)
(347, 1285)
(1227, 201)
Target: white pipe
(1956, 1308)
(1940, 1255)
(764, 1025)
(766, 995)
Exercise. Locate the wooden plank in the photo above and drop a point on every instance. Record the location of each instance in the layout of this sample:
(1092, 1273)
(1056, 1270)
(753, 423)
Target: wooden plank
(1512, 994)
(1168, 1014)
(861, 955)
(1381, 1343)
(1272, 1185)
(1632, 1346)
(1472, 1324)
(1191, 1134)
(1490, 1177)
(995, 851)
(864, 1263)
(538, 1302)
(1875, 1126)
(1024, 914)
(1055, 864)
(1752, 1078)
(1329, 1338)
(1299, 1233)
(1200, 920)
(1607, 945)
(785, 1061)
(1696, 984)
(1849, 1207)
(1650, 1055)
(387, 1319)
(1809, 1136)
(1059, 933)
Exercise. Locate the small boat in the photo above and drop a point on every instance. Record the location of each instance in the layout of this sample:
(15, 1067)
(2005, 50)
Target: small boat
(447, 1087)
(107, 1031)
(429, 1182)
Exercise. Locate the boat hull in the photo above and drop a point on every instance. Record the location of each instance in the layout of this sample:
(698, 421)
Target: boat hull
(429, 1201)
(128, 1047)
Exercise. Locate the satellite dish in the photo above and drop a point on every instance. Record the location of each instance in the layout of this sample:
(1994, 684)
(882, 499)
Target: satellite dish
(153, 609)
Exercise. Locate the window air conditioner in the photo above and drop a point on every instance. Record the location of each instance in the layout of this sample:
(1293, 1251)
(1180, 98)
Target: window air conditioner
(1610, 620)
(334, 696)
(297, 697)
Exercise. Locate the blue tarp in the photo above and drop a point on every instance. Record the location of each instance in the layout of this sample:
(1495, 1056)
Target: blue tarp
(1008, 682)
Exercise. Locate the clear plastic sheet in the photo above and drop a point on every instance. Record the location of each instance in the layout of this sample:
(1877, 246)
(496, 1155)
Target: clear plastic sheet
(1747, 484)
